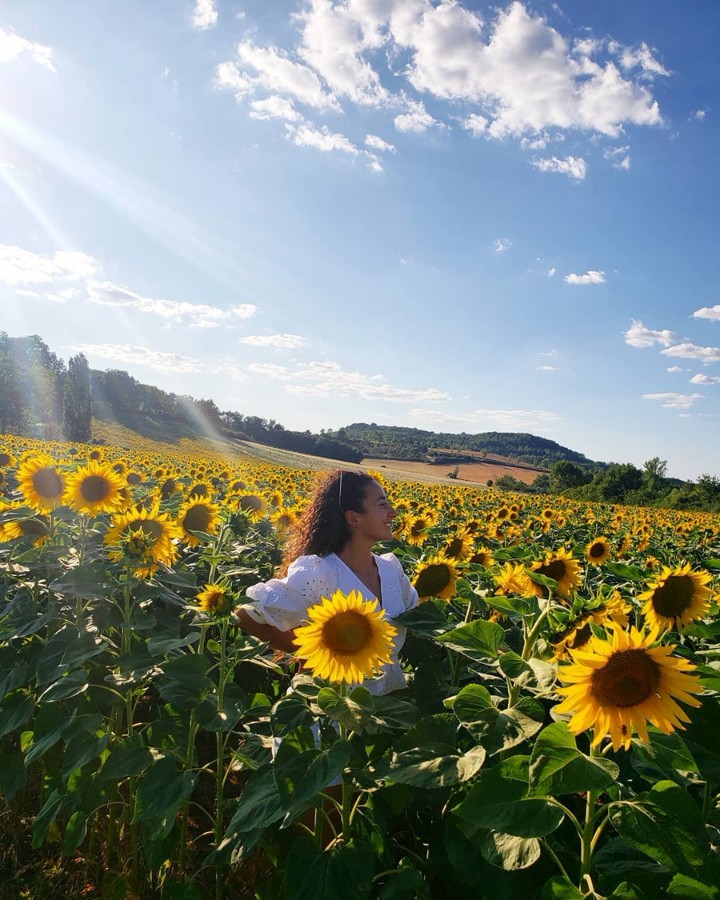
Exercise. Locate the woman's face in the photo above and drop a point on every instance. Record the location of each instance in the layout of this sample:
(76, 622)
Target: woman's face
(375, 521)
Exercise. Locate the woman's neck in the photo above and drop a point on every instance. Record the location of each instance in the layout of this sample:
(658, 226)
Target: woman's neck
(358, 556)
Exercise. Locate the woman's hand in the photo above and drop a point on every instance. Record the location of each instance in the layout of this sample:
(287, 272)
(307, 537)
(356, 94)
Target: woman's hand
(278, 640)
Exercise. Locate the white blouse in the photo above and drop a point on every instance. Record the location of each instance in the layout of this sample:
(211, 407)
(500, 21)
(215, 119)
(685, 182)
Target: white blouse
(283, 602)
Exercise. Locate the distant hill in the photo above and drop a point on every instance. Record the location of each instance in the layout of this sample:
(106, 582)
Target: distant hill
(40, 394)
(414, 444)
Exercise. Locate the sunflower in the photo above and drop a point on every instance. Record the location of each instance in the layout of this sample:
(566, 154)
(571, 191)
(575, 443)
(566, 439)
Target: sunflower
(458, 547)
(436, 578)
(7, 460)
(214, 599)
(252, 505)
(142, 538)
(347, 638)
(617, 686)
(513, 580)
(576, 636)
(415, 530)
(597, 551)
(40, 482)
(482, 556)
(94, 488)
(676, 597)
(35, 528)
(283, 518)
(560, 566)
(197, 515)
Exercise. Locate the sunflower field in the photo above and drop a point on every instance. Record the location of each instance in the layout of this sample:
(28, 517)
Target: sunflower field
(559, 736)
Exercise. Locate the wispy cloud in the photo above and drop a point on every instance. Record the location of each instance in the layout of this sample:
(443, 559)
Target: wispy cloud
(323, 379)
(482, 419)
(141, 356)
(377, 143)
(502, 244)
(196, 315)
(672, 400)
(20, 266)
(279, 341)
(693, 351)
(705, 379)
(638, 335)
(590, 277)
(573, 166)
(12, 46)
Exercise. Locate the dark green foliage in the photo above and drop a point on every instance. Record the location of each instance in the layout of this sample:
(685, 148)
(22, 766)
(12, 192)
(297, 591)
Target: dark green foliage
(77, 401)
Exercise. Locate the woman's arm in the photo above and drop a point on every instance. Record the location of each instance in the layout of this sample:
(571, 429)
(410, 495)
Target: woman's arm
(278, 640)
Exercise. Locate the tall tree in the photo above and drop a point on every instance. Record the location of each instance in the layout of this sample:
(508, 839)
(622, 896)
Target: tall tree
(77, 400)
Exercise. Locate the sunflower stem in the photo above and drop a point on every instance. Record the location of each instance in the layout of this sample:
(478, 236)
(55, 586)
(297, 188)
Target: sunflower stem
(528, 646)
(347, 799)
(458, 661)
(587, 842)
(707, 800)
(553, 855)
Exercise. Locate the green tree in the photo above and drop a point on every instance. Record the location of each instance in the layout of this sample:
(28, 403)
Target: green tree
(77, 400)
(565, 474)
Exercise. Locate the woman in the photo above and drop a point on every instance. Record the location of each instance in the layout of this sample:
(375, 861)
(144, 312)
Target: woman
(332, 549)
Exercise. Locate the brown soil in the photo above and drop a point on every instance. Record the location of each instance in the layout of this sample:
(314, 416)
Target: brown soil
(475, 472)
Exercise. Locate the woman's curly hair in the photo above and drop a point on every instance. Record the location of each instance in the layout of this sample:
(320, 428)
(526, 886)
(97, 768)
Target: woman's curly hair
(323, 529)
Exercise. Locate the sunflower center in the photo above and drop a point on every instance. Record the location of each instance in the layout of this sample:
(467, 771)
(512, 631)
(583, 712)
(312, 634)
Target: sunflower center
(597, 550)
(628, 678)
(454, 548)
(95, 488)
(47, 482)
(34, 528)
(581, 637)
(432, 580)
(346, 632)
(250, 502)
(5, 459)
(674, 597)
(555, 569)
(148, 528)
(197, 518)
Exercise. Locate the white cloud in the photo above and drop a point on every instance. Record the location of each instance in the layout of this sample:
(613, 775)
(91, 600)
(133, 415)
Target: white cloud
(705, 379)
(205, 14)
(20, 266)
(552, 352)
(61, 296)
(280, 341)
(274, 72)
(12, 46)
(377, 143)
(619, 157)
(324, 379)
(572, 166)
(482, 419)
(547, 369)
(142, 356)
(592, 276)
(274, 107)
(551, 271)
(699, 114)
(640, 57)
(322, 138)
(676, 369)
(708, 312)
(502, 244)
(476, 124)
(692, 351)
(196, 315)
(417, 119)
(638, 335)
(674, 401)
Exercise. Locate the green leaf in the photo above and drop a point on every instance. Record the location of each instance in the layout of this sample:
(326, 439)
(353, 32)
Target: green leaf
(50, 725)
(81, 749)
(213, 719)
(560, 888)
(471, 703)
(514, 607)
(498, 802)
(516, 668)
(129, 757)
(686, 888)
(666, 756)
(666, 825)
(391, 714)
(622, 570)
(13, 775)
(428, 618)
(424, 767)
(344, 871)
(300, 776)
(507, 851)
(75, 832)
(499, 730)
(407, 884)
(69, 685)
(558, 767)
(162, 791)
(353, 711)
(478, 640)
(260, 805)
(186, 681)
(90, 581)
(45, 817)
(701, 738)
(16, 709)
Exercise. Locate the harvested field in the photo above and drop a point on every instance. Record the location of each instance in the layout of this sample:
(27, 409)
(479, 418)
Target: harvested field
(475, 472)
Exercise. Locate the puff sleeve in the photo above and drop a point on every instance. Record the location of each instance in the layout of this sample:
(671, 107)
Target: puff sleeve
(283, 602)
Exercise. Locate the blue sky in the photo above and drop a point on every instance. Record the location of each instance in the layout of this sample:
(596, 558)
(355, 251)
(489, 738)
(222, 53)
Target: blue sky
(454, 216)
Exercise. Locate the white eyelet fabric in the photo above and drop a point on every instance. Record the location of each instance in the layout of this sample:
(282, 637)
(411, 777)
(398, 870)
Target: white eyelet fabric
(283, 602)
